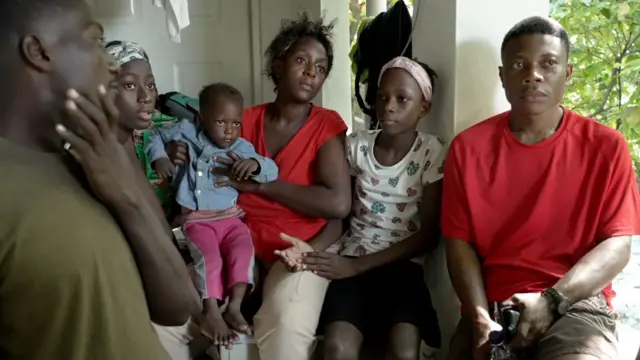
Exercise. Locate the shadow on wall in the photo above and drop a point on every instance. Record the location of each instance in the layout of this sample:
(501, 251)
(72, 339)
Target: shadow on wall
(479, 91)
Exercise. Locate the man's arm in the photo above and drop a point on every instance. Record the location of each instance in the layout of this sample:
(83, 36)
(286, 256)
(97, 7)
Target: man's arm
(330, 197)
(463, 262)
(425, 239)
(466, 276)
(164, 274)
(619, 221)
(171, 297)
(596, 269)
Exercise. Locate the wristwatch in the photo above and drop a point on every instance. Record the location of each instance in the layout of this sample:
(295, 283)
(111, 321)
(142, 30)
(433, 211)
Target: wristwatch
(559, 303)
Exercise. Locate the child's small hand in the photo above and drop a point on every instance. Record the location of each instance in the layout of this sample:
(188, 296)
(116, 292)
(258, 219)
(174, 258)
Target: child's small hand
(178, 152)
(164, 168)
(244, 169)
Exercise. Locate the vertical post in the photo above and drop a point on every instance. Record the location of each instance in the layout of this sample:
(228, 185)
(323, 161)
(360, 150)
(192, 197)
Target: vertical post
(375, 7)
(336, 92)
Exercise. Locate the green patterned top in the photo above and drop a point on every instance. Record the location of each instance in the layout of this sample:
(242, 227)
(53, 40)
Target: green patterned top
(163, 189)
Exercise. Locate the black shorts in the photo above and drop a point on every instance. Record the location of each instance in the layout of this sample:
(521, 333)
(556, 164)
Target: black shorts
(375, 301)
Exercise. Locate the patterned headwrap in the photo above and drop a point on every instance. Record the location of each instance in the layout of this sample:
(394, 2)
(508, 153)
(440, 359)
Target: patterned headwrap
(126, 51)
(415, 70)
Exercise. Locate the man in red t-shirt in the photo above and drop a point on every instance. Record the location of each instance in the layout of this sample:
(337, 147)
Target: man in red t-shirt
(539, 207)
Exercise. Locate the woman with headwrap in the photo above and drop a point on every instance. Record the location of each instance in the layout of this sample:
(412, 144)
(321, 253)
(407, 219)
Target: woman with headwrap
(137, 101)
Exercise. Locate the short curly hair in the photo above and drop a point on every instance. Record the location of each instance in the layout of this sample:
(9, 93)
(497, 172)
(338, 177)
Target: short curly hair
(211, 92)
(537, 25)
(293, 31)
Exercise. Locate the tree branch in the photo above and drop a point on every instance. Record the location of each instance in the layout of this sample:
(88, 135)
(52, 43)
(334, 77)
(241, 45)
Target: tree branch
(597, 56)
(601, 108)
(615, 77)
(632, 41)
(619, 93)
(620, 44)
(619, 120)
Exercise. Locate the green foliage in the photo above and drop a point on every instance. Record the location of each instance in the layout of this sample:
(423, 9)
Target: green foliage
(605, 37)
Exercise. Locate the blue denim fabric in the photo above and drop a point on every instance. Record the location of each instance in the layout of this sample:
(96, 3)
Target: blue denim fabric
(195, 184)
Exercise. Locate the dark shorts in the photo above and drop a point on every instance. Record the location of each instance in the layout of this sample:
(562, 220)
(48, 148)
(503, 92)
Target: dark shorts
(588, 328)
(375, 301)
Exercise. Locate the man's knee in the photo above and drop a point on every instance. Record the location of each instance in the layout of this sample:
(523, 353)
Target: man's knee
(336, 348)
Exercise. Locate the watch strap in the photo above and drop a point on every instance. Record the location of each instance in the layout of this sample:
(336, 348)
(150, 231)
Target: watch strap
(558, 302)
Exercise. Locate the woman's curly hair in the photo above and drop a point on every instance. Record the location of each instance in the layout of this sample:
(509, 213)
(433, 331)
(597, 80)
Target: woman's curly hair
(293, 31)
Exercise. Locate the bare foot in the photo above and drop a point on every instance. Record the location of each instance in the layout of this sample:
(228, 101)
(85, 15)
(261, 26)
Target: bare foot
(235, 320)
(215, 328)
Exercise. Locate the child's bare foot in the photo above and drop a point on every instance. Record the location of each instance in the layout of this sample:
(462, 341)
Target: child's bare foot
(235, 320)
(233, 315)
(215, 328)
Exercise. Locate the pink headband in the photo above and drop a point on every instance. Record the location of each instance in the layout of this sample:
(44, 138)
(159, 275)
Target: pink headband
(414, 69)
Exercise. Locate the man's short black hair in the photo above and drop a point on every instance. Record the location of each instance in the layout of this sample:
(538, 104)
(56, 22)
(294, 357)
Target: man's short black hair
(537, 25)
(210, 93)
(293, 31)
(19, 15)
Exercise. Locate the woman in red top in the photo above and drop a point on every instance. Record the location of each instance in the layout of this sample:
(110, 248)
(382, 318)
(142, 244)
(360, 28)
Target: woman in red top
(310, 197)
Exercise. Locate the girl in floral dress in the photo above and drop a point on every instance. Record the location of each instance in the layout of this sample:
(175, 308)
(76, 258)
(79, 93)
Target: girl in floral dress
(378, 288)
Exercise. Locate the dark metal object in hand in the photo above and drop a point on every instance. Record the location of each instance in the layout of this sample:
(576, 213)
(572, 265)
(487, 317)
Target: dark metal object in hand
(508, 317)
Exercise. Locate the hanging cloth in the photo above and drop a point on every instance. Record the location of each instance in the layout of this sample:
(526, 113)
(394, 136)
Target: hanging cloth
(383, 38)
(177, 13)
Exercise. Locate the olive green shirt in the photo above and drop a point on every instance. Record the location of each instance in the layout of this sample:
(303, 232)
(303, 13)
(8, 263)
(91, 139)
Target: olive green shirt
(69, 286)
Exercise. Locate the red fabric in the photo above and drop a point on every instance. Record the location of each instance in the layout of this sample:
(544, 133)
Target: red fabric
(267, 218)
(532, 212)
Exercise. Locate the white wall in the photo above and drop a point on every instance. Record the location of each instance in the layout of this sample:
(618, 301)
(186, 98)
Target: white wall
(207, 52)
